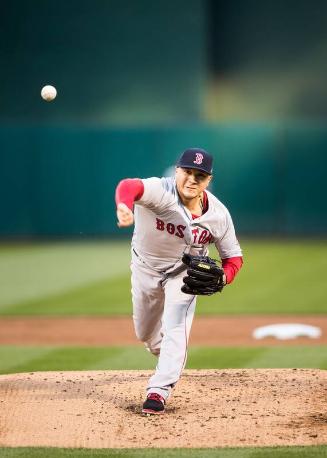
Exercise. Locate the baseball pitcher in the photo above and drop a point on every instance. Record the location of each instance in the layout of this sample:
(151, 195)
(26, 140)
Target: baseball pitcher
(175, 220)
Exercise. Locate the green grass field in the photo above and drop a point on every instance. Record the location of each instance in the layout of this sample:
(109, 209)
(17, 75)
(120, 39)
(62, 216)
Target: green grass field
(267, 452)
(93, 278)
(15, 359)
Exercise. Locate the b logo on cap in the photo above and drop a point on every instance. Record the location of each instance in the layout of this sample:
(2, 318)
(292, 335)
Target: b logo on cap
(198, 158)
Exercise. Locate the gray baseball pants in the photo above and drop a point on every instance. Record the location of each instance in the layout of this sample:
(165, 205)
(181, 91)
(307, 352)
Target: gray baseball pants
(162, 317)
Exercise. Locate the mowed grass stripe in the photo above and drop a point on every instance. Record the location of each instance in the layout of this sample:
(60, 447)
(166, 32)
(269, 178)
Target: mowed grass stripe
(31, 359)
(13, 357)
(72, 358)
(274, 280)
(42, 270)
(105, 297)
(94, 279)
(258, 357)
(260, 452)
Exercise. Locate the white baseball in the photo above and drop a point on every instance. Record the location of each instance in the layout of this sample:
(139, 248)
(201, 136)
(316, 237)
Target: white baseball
(48, 93)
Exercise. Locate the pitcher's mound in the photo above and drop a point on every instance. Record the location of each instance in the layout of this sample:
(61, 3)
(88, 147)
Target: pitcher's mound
(213, 408)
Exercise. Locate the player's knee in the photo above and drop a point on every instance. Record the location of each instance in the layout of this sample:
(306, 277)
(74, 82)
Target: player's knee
(142, 335)
(154, 351)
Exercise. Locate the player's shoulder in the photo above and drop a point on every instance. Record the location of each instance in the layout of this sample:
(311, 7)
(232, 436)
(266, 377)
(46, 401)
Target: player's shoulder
(166, 183)
(158, 192)
(218, 215)
(216, 205)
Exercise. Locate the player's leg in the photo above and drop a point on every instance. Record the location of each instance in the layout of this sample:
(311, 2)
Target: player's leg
(148, 304)
(176, 325)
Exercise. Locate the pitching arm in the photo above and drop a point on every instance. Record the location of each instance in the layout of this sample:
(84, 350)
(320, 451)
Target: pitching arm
(127, 192)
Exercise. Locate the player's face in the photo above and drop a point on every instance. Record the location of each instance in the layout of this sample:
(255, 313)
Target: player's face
(191, 182)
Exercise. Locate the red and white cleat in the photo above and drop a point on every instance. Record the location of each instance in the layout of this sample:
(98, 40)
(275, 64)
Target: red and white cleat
(154, 404)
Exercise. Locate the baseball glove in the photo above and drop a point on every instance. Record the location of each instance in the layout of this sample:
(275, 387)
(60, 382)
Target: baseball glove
(204, 276)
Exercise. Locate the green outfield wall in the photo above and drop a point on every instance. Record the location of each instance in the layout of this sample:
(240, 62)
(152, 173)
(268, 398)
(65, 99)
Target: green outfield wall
(112, 62)
(61, 181)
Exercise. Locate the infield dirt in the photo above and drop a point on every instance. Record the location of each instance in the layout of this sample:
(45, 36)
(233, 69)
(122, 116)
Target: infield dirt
(214, 408)
(210, 330)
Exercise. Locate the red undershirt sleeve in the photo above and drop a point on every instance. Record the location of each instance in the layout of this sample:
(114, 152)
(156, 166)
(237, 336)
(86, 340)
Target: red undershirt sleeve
(231, 266)
(128, 191)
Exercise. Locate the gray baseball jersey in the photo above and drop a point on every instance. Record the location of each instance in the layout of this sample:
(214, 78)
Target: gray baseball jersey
(165, 229)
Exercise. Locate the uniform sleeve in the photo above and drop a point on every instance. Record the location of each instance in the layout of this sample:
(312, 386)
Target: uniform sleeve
(227, 243)
(153, 194)
(231, 266)
(128, 191)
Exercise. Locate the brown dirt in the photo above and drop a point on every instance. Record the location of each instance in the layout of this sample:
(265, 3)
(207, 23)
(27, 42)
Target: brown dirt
(215, 331)
(215, 408)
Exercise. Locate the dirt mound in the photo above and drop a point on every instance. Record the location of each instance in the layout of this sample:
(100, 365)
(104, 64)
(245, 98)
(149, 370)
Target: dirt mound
(214, 408)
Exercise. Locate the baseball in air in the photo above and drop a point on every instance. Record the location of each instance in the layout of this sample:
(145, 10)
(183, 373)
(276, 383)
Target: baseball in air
(48, 93)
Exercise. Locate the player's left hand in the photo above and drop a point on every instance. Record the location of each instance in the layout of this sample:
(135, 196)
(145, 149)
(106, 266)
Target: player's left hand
(204, 276)
(125, 215)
